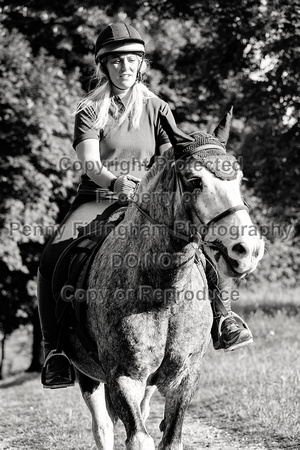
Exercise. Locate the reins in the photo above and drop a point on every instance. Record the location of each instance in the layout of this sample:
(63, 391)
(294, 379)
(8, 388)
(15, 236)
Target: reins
(173, 233)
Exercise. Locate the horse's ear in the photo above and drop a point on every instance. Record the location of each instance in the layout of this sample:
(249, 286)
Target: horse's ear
(178, 138)
(223, 129)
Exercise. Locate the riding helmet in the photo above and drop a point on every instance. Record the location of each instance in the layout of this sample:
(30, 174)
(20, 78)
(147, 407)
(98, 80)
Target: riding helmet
(116, 38)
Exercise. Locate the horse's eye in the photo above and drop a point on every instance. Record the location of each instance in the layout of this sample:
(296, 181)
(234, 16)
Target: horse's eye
(196, 183)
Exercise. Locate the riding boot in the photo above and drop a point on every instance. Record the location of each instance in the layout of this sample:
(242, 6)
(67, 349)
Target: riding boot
(229, 331)
(57, 371)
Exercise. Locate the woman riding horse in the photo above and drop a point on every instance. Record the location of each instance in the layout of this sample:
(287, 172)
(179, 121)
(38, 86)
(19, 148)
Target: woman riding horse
(117, 135)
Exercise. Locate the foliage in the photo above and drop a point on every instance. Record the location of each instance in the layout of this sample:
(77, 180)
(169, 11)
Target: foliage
(36, 131)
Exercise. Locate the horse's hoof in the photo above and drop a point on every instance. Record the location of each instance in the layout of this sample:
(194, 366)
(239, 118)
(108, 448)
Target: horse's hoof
(140, 441)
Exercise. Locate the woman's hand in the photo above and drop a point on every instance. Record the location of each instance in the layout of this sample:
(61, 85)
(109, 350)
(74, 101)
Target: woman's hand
(124, 186)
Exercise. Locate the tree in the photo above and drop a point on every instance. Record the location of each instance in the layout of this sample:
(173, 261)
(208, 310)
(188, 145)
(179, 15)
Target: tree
(36, 132)
(245, 53)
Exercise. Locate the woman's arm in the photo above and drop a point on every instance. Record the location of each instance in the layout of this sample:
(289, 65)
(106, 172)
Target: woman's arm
(88, 154)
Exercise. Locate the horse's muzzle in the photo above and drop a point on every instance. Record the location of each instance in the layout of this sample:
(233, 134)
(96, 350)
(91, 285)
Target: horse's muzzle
(237, 259)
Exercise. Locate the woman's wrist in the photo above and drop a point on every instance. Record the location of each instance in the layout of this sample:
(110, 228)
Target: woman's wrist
(112, 184)
(104, 179)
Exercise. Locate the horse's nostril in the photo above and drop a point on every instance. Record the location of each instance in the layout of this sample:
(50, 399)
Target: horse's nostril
(239, 249)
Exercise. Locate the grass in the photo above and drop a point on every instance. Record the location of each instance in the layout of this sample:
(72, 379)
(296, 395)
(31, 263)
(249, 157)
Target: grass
(252, 394)
(37, 419)
(268, 299)
(256, 390)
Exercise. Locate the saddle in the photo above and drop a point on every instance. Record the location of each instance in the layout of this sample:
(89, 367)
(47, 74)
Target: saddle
(70, 275)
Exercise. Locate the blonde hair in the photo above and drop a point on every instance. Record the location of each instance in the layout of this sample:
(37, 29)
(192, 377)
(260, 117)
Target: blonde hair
(103, 102)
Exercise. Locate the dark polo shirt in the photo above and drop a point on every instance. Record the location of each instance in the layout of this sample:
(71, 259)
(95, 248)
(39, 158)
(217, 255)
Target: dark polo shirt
(123, 149)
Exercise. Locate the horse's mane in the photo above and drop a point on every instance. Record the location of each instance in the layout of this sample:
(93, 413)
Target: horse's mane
(156, 167)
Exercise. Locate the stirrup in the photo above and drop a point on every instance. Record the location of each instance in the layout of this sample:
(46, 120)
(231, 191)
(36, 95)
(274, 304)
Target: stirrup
(242, 324)
(51, 354)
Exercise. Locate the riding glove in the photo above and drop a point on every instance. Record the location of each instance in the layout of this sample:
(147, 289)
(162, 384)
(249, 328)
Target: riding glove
(124, 186)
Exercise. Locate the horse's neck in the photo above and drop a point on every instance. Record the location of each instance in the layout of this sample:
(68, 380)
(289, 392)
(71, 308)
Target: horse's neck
(159, 196)
(171, 257)
(163, 260)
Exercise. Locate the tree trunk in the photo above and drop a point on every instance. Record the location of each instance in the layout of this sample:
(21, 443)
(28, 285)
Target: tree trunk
(2, 355)
(36, 361)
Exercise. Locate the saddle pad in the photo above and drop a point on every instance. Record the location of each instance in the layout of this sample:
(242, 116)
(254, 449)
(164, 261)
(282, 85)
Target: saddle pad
(72, 268)
(80, 248)
(75, 255)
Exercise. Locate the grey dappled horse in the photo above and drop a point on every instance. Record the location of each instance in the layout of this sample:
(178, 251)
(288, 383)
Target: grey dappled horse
(151, 317)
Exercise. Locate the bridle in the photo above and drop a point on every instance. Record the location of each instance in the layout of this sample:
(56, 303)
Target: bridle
(193, 236)
(196, 237)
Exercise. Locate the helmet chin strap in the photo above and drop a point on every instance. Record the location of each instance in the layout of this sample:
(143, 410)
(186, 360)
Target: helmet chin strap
(120, 89)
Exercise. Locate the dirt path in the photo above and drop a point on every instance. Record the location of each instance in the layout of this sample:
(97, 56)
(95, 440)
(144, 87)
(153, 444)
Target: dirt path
(199, 435)
(37, 419)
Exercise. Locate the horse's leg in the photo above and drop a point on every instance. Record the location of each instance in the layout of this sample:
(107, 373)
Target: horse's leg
(177, 402)
(127, 395)
(145, 405)
(97, 398)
